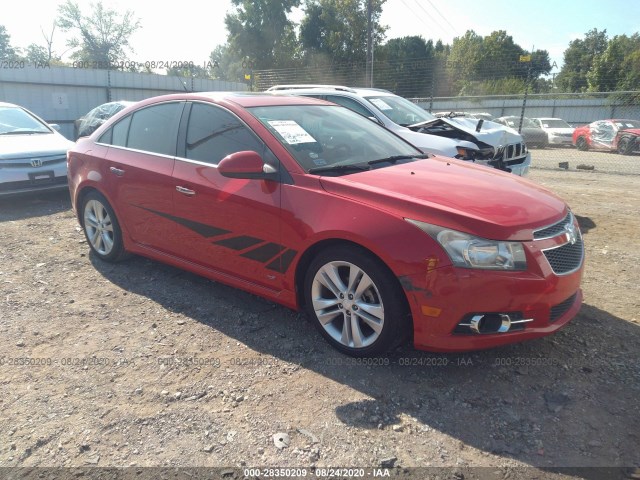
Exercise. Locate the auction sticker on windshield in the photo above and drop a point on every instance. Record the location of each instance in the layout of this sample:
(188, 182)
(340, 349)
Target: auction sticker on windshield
(381, 104)
(291, 132)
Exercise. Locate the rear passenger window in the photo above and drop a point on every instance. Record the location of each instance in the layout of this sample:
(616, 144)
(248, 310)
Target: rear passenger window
(214, 133)
(120, 131)
(155, 129)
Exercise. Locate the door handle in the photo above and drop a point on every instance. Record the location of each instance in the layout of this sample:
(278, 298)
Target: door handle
(185, 191)
(117, 171)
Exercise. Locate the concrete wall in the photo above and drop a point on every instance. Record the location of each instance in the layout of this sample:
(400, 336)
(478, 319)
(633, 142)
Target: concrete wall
(63, 94)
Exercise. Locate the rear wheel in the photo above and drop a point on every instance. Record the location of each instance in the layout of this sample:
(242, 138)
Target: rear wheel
(101, 228)
(355, 302)
(625, 146)
(581, 144)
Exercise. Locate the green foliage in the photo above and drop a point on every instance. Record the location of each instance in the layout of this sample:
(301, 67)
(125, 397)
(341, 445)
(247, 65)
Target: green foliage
(617, 67)
(7, 52)
(337, 29)
(579, 58)
(102, 37)
(492, 65)
(405, 66)
(261, 32)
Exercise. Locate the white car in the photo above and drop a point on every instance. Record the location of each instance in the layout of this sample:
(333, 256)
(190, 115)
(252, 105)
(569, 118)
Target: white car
(477, 140)
(558, 131)
(33, 155)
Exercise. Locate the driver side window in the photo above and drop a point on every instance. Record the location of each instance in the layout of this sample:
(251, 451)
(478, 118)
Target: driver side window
(214, 133)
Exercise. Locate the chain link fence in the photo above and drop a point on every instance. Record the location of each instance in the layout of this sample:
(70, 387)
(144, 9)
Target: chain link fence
(508, 93)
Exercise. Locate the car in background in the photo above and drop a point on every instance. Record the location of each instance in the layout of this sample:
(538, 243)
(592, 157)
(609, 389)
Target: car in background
(33, 155)
(533, 135)
(558, 131)
(482, 142)
(311, 205)
(88, 123)
(615, 135)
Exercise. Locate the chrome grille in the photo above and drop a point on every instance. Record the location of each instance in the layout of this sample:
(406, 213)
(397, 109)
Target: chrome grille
(26, 162)
(553, 230)
(567, 258)
(515, 150)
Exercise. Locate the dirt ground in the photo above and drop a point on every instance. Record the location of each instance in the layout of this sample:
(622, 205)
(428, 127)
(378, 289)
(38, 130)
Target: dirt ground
(140, 364)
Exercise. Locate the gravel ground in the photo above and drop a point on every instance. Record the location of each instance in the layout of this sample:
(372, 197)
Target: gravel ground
(144, 365)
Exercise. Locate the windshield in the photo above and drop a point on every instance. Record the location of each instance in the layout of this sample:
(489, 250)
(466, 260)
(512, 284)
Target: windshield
(554, 123)
(400, 110)
(514, 122)
(15, 120)
(325, 136)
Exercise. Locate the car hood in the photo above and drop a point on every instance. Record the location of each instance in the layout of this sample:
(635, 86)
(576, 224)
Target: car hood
(433, 143)
(455, 194)
(33, 145)
(491, 133)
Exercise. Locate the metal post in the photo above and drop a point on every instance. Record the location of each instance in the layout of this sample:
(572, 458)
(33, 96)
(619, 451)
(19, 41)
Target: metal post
(369, 66)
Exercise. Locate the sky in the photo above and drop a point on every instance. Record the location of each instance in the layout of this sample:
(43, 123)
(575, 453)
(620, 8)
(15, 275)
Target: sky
(189, 30)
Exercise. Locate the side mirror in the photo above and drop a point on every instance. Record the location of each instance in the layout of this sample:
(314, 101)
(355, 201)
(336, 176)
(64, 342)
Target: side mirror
(55, 126)
(246, 164)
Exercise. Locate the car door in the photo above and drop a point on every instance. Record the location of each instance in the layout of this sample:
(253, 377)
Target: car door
(229, 225)
(140, 167)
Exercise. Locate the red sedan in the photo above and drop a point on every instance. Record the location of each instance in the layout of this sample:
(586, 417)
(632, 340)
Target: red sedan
(313, 206)
(612, 135)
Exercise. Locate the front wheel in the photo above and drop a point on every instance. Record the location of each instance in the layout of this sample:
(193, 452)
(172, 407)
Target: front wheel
(581, 144)
(355, 302)
(101, 228)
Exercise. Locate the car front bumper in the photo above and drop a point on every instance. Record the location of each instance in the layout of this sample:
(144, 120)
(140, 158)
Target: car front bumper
(20, 176)
(445, 298)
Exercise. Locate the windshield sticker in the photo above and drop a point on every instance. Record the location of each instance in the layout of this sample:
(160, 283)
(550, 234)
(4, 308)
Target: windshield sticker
(381, 104)
(291, 132)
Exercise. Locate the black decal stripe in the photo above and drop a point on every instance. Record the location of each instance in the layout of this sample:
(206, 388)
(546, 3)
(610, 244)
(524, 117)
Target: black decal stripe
(281, 264)
(200, 228)
(239, 243)
(264, 253)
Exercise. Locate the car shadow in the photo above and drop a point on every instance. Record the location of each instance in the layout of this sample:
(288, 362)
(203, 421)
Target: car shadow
(585, 223)
(568, 400)
(34, 205)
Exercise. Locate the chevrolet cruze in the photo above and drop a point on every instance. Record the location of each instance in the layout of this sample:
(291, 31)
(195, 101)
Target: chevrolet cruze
(313, 206)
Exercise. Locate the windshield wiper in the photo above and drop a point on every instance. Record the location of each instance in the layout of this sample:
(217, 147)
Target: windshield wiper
(22, 132)
(395, 158)
(340, 168)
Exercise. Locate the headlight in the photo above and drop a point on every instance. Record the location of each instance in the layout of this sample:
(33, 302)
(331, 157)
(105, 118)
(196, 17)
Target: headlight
(468, 251)
(466, 153)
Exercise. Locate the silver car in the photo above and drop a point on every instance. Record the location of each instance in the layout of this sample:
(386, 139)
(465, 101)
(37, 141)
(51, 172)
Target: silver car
(33, 155)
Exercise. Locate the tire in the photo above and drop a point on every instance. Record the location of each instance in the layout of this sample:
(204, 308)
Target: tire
(347, 287)
(101, 228)
(581, 144)
(625, 146)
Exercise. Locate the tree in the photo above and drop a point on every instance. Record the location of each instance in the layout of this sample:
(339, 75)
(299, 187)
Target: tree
(405, 66)
(7, 52)
(482, 66)
(337, 30)
(261, 33)
(617, 67)
(578, 61)
(103, 36)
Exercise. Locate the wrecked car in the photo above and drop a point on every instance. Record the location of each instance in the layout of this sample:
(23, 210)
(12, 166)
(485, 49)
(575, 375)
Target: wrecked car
(477, 140)
(612, 135)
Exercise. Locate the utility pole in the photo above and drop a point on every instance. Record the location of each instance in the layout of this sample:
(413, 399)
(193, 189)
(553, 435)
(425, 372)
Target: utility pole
(369, 67)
